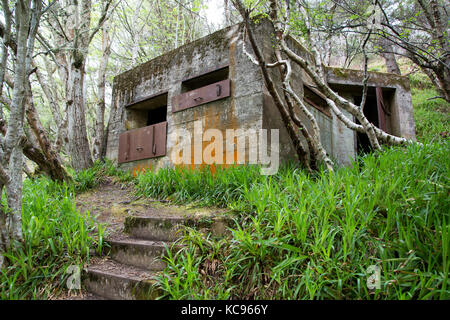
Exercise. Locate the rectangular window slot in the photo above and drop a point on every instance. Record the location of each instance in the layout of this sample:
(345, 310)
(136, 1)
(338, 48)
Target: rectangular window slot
(205, 79)
(148, 111)
(156, 115)
(147, 134)
(316, 99)
(205, 88)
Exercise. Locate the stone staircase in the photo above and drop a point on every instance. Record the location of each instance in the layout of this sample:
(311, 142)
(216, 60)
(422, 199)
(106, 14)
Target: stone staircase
(128, 271)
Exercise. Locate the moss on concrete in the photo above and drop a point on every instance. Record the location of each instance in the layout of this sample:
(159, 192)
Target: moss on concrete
(155, 67)
(118, 210)
(146, 290)
(380, 78)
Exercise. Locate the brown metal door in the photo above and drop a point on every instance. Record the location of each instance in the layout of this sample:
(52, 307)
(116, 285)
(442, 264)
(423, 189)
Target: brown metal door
(124, 147)
(144, 143)
(212, 92)
(383, 113)
(160, 139)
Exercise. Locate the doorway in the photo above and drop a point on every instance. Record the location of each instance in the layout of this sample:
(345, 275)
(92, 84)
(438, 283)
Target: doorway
(370, 111)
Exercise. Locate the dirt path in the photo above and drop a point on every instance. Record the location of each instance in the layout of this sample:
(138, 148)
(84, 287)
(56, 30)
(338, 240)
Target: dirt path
(112, 202)
(109, 204)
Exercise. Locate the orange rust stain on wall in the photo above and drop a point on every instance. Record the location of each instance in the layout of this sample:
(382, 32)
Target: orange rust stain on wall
(141, 168)
(211, 119)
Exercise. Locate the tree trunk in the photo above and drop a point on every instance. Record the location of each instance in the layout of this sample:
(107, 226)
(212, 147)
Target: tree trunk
(4, 46)
(52, 98)
(53, 161)
(389, 56)
(12, 157)
(101, 82)
(77, 37)
(27, 15)
(441, 34)
(77, 29)
(79, 151)
(315, 69)
(226, 7)
(52, 168)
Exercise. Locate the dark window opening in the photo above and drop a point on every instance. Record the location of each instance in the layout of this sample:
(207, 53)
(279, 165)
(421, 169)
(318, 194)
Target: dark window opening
(148, 111)
(205, 79)
(157, 115)
(371, 112)
(314, 98)
(201, 89)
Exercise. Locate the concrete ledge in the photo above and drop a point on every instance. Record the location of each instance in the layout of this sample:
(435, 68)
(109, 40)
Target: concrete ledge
(115, 281)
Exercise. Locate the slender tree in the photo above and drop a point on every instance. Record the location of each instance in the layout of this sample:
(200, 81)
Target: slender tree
(70, 23)
(99, 142)
(25, 18)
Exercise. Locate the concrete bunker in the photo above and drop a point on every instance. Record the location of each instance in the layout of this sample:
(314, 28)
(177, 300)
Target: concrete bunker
(212, 81)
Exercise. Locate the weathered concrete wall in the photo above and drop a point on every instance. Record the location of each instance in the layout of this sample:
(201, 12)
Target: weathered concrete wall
(343, 138)
(402, 119)
(243, 109)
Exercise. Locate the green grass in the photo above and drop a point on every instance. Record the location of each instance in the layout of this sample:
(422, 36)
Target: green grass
(56, 236)
(432, 117)
(295, 236)
(300, 237)
(313, 237)
(92, 177)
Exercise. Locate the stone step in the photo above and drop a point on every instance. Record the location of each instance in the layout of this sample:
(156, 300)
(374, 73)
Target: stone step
(145, 254)
(165, 228)
(112, 280)
(85, 296)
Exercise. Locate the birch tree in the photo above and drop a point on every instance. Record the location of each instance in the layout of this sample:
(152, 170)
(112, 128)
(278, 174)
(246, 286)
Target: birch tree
(25, 20)
(280, 16)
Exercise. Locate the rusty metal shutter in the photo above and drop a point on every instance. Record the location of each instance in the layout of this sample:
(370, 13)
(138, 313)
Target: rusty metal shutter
(212, 92)
(144, 143)
(316, 99)
(382, 110)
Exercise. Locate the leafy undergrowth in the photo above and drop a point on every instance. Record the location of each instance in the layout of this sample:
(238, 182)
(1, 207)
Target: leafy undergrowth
(295, 236)
(94, 176)
(56, 236)
(299, 237)
(432, 116)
